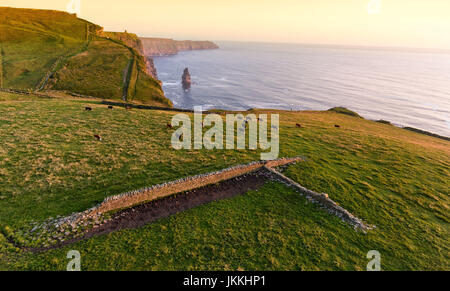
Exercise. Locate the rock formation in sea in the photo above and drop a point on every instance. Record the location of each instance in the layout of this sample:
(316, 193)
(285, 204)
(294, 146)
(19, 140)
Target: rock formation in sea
(186, 79)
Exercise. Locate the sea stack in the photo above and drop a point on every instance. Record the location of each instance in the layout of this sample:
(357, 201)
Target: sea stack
(186, 79)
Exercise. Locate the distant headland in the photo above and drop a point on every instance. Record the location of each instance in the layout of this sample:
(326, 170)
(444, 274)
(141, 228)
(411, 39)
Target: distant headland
(166, 47)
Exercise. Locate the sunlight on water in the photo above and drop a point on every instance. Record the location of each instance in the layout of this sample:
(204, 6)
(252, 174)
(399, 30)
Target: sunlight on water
(406, 88)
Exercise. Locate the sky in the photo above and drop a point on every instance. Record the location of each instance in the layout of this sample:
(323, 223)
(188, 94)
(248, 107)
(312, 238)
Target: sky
(388, 23)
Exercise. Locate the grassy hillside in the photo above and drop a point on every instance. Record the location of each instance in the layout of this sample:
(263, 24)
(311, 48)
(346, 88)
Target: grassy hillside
(42, 49)
(51, 165)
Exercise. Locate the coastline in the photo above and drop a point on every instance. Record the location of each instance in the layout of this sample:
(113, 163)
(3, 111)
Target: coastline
(222, 82)
(159, 47)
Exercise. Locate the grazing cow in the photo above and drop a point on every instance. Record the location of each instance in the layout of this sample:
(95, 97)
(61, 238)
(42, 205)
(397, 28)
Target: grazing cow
(110, 107)
(88, 109)
(98, 137)
(298, 125)
(337, 126)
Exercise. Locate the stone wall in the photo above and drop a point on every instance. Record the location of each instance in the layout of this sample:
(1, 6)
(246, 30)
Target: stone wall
(129, 199)
(323, 200)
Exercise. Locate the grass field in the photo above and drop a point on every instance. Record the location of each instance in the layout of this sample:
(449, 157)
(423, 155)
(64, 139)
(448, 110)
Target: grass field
(51, 165)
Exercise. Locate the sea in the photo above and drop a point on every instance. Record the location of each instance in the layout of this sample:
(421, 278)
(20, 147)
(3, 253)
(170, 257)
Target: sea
(406, 87)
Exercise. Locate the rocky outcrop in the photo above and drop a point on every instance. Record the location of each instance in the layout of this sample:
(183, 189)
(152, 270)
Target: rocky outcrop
(129, 39)
(186, 79)
(167, 47)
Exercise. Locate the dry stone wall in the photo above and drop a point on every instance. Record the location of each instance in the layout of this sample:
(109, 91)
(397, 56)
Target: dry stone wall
(323, 200)
(129, 199)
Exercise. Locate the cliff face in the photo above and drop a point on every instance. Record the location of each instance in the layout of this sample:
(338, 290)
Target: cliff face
(166, 47)
(187, 45)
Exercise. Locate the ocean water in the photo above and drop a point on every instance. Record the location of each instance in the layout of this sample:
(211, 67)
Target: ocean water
(406, 88)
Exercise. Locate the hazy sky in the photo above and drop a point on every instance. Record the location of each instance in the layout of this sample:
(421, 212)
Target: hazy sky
(411, 23)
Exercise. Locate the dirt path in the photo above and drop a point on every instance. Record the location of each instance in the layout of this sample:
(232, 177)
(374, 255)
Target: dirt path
(126, 79)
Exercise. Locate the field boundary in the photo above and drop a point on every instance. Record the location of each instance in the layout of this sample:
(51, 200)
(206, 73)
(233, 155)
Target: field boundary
(323, 200)
(132, 198)
(56, 65)
(132, 71)
(49, 73)
(99, 219)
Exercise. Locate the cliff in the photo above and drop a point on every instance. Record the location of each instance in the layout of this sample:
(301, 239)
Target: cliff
(166, 46)
(54, 50)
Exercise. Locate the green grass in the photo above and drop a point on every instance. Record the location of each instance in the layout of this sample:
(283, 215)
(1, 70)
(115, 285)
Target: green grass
(343, 110)
(32, 40)
(270, 229)
(19, 97)
(95, 72)
(51, 165)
